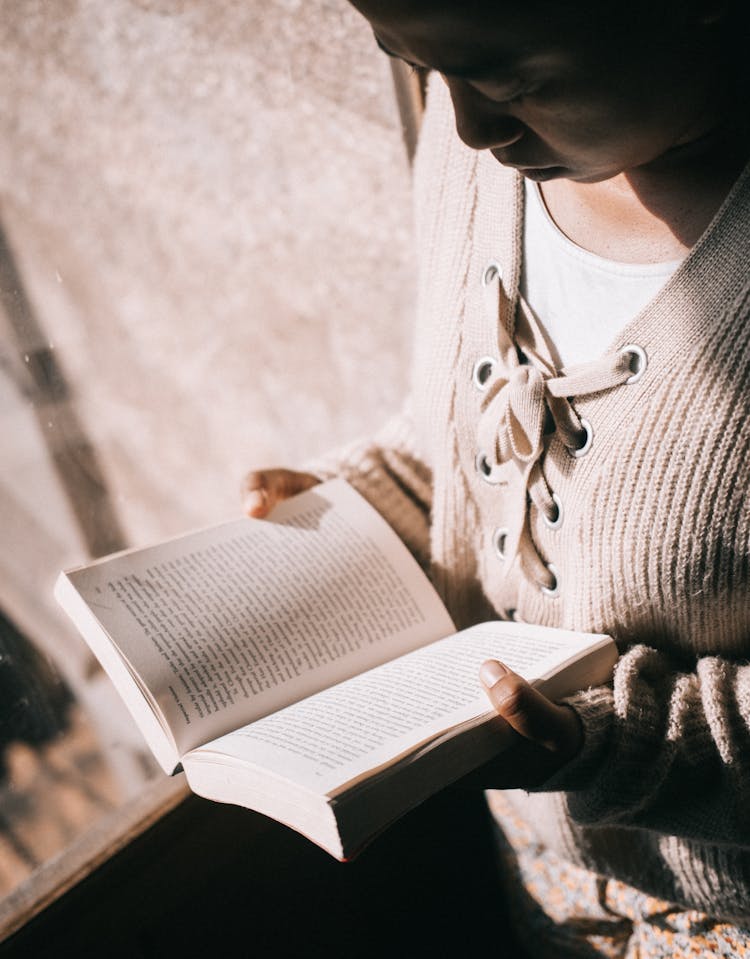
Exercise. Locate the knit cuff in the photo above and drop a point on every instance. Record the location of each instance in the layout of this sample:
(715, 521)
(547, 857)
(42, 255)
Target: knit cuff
(595, 708)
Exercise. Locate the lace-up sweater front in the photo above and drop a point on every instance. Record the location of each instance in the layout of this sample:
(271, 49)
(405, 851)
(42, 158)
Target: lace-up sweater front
(610, 497)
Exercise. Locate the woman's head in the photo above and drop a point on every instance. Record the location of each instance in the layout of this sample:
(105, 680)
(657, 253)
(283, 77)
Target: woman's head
(583, 90)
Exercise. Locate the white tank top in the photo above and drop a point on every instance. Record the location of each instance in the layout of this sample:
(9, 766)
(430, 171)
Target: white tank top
(581, 300)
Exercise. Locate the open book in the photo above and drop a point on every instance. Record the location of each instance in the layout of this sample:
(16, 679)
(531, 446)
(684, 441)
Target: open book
(304, 666)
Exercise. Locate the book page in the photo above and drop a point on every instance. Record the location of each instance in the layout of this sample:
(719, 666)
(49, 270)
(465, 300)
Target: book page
(338, 735)
(234, 622)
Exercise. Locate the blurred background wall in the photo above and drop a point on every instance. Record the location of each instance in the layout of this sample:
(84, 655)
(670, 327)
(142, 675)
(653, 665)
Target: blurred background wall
(206, 265)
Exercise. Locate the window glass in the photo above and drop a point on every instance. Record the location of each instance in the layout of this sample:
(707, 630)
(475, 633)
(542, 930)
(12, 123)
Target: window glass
(205, 266)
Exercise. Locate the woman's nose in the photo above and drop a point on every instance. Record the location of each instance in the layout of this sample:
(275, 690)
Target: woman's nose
(481, 123)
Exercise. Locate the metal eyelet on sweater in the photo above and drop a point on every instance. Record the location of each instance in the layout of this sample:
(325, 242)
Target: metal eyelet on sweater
(498, 542)
(485, 470)
(638, 362)
(554, 521)
(584, 448)
(554, 589)
(493, 271)
(483, 371)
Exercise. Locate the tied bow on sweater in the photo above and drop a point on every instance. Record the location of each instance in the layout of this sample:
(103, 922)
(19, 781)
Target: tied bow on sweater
(523, 403)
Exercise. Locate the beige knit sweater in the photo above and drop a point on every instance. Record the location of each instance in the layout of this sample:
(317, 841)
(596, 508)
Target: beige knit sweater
(654, 543)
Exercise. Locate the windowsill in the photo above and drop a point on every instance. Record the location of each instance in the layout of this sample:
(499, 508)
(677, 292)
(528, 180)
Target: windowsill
(100, 843)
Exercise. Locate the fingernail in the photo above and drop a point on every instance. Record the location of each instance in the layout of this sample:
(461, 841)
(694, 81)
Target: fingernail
(492, 672)
(255, 501)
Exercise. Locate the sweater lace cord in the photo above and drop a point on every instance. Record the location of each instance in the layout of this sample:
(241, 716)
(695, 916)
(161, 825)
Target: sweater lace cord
(523, 400)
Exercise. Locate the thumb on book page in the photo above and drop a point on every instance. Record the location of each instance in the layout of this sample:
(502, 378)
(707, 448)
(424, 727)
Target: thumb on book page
(554, 726)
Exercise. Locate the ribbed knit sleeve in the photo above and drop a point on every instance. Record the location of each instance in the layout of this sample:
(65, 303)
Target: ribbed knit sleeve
(665, 749)
(387, 470)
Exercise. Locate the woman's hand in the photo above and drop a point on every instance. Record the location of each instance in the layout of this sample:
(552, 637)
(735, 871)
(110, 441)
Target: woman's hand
(263, 489)
(543, 735)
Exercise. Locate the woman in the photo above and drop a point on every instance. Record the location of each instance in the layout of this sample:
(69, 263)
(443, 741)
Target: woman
(576, 450)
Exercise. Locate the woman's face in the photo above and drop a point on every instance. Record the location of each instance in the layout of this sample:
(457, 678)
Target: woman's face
(581, 91)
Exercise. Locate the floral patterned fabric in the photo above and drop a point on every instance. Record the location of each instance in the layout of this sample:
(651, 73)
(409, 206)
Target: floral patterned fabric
(561, 911)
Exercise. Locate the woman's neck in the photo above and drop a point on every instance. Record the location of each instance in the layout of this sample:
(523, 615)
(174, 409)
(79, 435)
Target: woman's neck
(648, 215)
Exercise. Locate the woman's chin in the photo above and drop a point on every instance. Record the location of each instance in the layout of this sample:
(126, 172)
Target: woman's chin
(544, 173)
